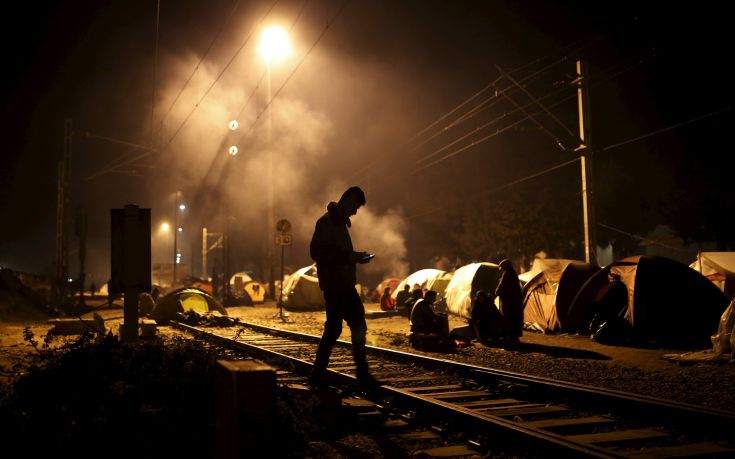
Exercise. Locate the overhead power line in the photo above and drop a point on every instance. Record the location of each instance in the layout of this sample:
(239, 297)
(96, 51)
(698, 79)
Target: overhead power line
(265, 71)
(183, 123)
(201, 60)
(293, 72)
(669, 128)
(501, 187)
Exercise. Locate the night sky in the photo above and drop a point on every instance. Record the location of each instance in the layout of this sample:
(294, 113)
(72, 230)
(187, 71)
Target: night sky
(365, 98)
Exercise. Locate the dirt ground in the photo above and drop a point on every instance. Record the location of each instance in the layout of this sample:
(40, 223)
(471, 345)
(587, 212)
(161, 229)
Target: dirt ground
(384, 329)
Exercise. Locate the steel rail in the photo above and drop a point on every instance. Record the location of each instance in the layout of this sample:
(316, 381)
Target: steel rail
(480, 419)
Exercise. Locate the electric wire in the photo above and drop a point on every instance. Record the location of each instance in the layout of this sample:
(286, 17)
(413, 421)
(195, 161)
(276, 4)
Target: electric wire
(201, 60)
(196, 105)
(265, 72)
(638, 238)
(498, 188)
(499, 131)
(668, 128)
(298, 65)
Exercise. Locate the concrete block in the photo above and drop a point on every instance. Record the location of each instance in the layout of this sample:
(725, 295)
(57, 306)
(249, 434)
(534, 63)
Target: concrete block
(246, 406)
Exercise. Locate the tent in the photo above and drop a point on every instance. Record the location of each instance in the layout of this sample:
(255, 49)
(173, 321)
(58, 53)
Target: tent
(439, 284)
(667, 301)
(391, 282)
(548, 294)
(545, 265)
(467, 280)
(301, 290)
(185, 299)
(420, 277)
(256, 291)
(719, 267)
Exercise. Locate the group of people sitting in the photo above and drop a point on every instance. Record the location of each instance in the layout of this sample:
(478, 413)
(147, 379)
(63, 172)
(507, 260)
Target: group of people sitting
(488, 324)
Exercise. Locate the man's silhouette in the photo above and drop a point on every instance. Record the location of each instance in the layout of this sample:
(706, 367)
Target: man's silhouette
(331, 249)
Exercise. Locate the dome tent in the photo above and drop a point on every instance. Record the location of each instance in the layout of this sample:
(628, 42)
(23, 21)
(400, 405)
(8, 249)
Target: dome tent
(548, 294)
(421, 277)
(185, 299)
(668, 302)
(466, 281)
(301, 290)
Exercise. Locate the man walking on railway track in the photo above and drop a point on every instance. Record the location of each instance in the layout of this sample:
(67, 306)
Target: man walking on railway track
(336, 260)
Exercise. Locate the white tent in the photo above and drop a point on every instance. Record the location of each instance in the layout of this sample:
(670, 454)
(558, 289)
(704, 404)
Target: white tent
(301, 290)
(420, 277)
(465, 282)
(548, 265)
(719, 267)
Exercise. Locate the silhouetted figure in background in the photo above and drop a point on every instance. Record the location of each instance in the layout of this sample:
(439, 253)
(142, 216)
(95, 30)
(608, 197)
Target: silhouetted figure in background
(416, 294)
(511, 302)
(331, 249)
(429, 329)
(155, 294)
(386, 301)
(401, 297)
(487, 321)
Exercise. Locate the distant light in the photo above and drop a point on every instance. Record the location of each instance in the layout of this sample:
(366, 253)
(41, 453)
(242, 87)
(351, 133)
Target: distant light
(233, 125)
(180, 229)
(165, 226)
(232, 151)
(70, 279)
(274, 44)
(182, 206)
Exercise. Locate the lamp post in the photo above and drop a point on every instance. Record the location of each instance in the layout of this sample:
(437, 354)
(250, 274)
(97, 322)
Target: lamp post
(180, 207)
(274, 45)
(232, 151)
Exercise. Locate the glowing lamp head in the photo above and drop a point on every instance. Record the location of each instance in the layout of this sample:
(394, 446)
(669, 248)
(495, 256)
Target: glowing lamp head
(182, 206)
(274, 44)
(233, 125)
(233, 150)
(164, 227)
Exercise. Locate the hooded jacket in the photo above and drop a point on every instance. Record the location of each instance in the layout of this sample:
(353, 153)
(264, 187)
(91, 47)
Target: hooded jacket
(331, 248)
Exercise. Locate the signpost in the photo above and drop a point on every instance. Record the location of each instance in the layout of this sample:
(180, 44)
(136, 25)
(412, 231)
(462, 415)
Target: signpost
(283, 238)
(130, 272)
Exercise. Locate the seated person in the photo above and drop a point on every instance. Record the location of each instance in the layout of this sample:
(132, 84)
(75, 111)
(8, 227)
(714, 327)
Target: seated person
(386, 301)
(429, 329)
(487, 321)
(416, 295)
(401, 298)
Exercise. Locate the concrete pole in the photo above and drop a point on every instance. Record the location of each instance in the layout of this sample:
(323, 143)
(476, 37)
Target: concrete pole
(586, 165)
(271, 194)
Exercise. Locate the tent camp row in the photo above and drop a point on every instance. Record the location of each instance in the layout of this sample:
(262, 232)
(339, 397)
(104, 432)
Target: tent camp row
(667, 301)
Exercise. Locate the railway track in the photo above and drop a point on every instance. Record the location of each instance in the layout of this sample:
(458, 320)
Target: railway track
(495, 408)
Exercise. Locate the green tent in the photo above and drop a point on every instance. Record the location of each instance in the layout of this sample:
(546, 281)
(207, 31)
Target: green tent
(186, 299)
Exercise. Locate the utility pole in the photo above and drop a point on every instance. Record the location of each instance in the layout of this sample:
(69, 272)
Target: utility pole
(218, 243)
(62, 214)
(585, 151)
(176, 236)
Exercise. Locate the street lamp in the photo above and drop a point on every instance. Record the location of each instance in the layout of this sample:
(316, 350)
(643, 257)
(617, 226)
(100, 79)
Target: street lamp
(180, 207)
(274, 45)
(232, 151)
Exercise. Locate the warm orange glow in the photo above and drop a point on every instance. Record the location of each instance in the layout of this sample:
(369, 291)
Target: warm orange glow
(274, 44)
(165, 227)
